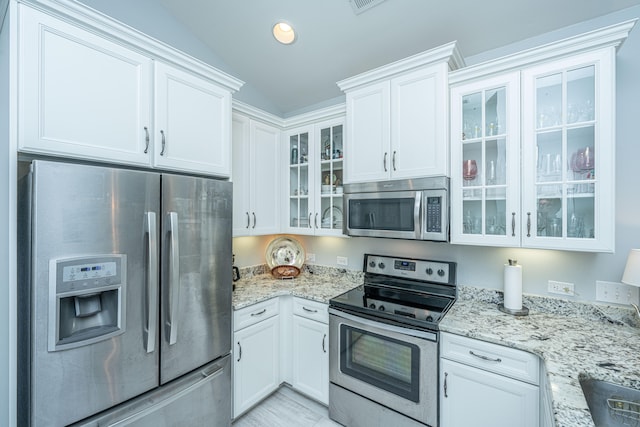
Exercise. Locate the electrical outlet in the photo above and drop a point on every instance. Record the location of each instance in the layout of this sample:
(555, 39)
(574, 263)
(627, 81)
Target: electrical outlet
(311, 257)
(562, 288)
(342, 260)
(615, 292)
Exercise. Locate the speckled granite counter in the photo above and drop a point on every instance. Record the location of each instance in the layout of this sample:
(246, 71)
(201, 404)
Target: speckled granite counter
(315, 283)
(572, 339)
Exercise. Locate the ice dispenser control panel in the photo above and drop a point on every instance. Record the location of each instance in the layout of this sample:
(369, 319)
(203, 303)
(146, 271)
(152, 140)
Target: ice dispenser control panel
(90, 300)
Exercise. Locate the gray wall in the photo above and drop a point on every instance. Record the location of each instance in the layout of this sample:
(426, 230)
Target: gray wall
(480, 266)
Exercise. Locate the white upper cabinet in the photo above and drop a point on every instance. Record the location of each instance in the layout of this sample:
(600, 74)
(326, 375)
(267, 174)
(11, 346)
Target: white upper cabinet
(397, 118)
(92, 89)
(81, 94)
(533, 146)
(313, 179)
(256, 183)
(192, 123)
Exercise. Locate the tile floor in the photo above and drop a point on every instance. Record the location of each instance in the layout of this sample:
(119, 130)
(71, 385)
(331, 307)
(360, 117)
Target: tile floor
(286, 408)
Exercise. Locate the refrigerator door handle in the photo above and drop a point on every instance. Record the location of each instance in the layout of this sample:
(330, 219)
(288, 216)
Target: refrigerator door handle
(174, 278)
(152, 280)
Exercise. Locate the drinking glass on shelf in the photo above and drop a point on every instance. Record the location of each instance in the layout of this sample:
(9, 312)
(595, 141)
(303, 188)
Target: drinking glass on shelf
(469, 170)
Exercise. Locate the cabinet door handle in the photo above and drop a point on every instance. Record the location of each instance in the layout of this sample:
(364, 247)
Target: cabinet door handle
(445, 383)
(315, 221)
(164, 141)
(248, 220)
(309, 309)
(324, 348)
(254, 219)
(528, 224)
(310, 223)
(384, 161)
(259, 313)
(239, 351)
(513, 224)
(393, 160)
(146, 140)
(480, 356)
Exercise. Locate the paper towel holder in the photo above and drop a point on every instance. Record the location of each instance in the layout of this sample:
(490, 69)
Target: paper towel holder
(524, 311)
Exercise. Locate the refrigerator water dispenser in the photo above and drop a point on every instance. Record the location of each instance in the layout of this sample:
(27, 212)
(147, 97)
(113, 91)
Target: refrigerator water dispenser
(87, 300)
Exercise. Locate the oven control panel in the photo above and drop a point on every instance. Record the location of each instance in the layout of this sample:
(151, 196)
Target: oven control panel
(416, 269)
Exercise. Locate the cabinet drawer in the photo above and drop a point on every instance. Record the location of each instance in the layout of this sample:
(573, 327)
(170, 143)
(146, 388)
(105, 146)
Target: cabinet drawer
(490, 357)
(311, 310)
(255, 313)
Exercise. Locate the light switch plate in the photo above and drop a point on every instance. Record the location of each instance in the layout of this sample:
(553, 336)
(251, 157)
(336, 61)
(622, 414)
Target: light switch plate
(561, 288)
(616, 292)
(342, 260)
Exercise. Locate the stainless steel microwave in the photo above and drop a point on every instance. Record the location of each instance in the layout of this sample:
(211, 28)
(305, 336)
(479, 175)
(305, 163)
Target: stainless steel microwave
(415, 209)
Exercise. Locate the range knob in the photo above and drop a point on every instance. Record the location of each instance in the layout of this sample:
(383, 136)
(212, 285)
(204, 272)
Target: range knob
(429, 318)
(372, 264)
(372, 305)
(381, 265)
(441, 272)
(381, 308)
(429, 271)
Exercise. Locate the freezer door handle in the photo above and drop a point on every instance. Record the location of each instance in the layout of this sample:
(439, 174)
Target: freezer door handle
(152, 280)
(174, 278)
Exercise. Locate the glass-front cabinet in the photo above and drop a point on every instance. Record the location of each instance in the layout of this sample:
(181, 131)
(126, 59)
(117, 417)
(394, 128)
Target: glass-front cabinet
(485, 153)
(569, 148)
(315, 178)
(532, 156)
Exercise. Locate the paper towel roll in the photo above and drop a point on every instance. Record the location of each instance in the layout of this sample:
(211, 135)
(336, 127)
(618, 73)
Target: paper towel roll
(513, 286)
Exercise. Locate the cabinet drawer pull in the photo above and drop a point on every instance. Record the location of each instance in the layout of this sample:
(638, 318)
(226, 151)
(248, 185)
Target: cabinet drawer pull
(259, 313)
(324, 338)
(384, 161)
(239, 351)
(528, 224)
(480, 356)
(309, 309)
(513, 224)
(146, 140)
(164, 140)
(393, 161)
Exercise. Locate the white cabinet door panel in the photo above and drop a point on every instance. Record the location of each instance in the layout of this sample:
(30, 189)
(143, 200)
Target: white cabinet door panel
(80, 95)
(311, 358)
(193, 121)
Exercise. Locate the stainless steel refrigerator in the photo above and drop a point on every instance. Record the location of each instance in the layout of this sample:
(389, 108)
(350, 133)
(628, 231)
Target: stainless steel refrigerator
(125, 297)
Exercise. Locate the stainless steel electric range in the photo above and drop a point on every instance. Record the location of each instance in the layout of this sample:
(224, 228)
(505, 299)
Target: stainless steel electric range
(383, 364)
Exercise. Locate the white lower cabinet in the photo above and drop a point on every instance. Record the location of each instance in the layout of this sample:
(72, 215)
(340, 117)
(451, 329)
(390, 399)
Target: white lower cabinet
(487, 385)
(310, 339)
(256, 366)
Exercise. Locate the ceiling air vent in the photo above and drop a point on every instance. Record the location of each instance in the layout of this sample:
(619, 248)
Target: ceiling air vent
(360, 6)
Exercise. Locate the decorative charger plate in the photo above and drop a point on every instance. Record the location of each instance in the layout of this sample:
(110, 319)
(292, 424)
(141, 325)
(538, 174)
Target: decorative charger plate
(285, 251)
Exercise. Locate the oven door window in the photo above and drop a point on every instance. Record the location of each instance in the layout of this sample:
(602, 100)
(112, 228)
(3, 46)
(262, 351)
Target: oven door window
(393, 214)
(383, 362)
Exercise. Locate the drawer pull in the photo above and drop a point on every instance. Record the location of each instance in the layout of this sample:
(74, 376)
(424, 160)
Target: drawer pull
(484, 357)
(259, 313)
(324, 338)
(445, 384)
(309, 310)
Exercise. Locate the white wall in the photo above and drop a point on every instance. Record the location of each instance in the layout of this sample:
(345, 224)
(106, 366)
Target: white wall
(480, 266)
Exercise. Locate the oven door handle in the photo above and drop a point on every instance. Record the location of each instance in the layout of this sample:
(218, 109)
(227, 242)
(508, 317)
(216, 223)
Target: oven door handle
(431, 336)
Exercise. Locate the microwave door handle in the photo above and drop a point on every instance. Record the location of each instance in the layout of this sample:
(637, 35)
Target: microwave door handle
(372, 220)
(152, 280)
(417, 215)
(174, 278)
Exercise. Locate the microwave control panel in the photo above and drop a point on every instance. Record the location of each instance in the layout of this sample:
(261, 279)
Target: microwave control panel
(434, 214)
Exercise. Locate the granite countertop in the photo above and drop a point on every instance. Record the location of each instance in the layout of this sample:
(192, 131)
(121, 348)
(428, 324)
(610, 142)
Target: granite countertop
(315, 283)
(573, 339)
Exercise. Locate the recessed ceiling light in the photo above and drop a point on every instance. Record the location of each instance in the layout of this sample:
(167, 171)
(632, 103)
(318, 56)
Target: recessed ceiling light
(284, 33)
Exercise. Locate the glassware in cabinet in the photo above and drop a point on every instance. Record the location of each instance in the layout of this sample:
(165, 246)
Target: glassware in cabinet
(299, 172)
